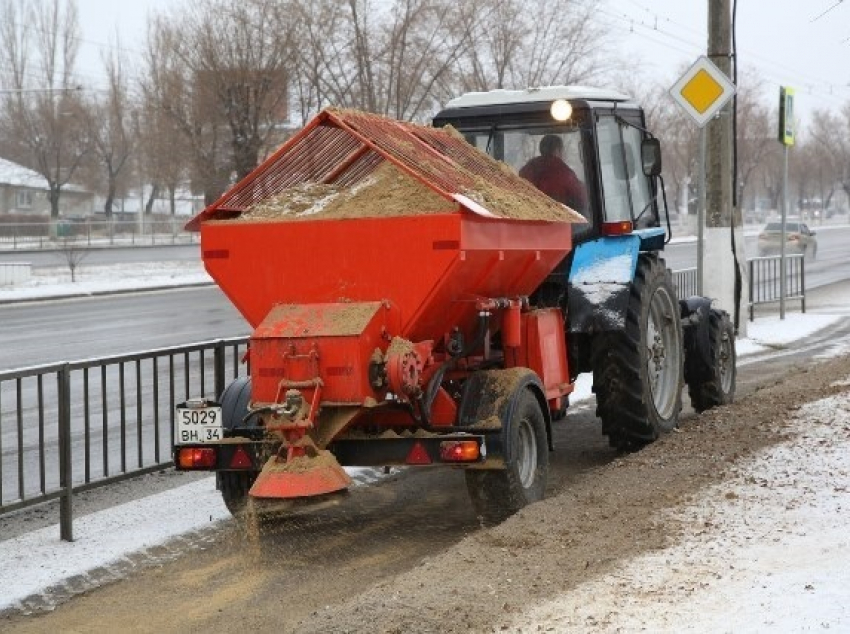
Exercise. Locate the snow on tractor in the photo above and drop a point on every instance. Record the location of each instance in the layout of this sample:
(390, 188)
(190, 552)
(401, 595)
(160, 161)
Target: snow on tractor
(426, 296)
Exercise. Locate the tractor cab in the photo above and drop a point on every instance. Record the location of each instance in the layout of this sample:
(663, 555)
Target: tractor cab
(603, 142)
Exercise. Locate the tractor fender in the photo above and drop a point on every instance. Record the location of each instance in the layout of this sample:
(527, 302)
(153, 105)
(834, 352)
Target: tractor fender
(694, 312)
(600, 277)
(598, 285)
(490, 398)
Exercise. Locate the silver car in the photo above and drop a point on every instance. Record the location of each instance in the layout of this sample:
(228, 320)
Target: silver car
(798, 239)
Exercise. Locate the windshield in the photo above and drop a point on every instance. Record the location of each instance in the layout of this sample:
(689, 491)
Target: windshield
(552, 158)
(777, 226)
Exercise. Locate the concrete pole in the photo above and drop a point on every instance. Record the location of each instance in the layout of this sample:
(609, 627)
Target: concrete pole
(719, 273)
(701, 214)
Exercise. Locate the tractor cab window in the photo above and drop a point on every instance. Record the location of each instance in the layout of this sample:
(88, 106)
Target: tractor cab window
(552, 158)
(626, 190)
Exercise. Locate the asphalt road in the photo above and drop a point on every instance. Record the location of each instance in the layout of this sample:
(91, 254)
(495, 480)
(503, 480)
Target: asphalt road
(75, 329)
(831, 265)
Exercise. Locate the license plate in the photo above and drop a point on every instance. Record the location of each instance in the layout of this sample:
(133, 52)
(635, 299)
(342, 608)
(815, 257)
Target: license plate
(198, 422)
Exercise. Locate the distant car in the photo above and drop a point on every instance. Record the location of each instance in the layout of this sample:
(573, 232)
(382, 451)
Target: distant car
(798, 239)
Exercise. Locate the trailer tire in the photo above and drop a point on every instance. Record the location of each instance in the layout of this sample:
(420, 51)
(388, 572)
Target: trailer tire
(715, 385)
(234, 402)
(498, 494)
(234, 485)
(638, 371)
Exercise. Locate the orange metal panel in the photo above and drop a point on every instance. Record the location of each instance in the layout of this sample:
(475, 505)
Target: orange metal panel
(296, 345)
(544, 350)
(430, 267)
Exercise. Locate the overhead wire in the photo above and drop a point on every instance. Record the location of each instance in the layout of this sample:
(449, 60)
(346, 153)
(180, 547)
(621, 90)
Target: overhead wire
(772, 70)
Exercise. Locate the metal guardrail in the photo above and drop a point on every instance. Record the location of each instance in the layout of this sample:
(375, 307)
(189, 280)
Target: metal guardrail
(90, 232)
(70, 427)
(685, 283)
(764, 281)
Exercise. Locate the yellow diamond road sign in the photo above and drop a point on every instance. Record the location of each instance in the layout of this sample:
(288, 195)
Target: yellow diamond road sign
(703, 90)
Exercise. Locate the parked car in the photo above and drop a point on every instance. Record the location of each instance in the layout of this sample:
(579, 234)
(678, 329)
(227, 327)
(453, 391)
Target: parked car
(798, 239)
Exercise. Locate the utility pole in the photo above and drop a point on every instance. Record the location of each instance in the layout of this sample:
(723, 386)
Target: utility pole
(724, 276)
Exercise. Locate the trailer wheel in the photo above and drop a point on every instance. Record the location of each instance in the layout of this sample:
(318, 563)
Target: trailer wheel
(498, 494)
(638, 371)
(716, 385)
(234, 485)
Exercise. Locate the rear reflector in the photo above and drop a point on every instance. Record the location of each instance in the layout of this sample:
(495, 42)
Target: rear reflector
(196, 458)
(459, 451)
(418, 455)
(619, 228)
(240, 459)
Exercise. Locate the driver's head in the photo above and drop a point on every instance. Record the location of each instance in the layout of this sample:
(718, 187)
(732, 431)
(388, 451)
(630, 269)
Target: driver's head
(551, 145)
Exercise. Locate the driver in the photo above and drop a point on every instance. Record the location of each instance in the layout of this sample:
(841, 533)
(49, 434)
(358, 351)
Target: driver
(551, 175)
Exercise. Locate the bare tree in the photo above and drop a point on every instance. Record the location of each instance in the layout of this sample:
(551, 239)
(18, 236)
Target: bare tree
(756, 135)
(220, 71)
(396, 60)
(43, 115)
(831, 133)
(72, 253)
(161, 155)
(110, 128)
(527, 43)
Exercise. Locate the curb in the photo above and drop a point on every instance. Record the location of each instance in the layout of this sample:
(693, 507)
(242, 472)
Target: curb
(122, 291)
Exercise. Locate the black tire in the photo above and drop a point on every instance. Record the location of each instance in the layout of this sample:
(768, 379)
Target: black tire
(234, 485)
(498, 494)
(638, 371)
(234, 402)
(717, 385)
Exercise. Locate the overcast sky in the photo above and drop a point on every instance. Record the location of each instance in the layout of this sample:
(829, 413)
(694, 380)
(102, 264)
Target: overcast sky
(803, 44)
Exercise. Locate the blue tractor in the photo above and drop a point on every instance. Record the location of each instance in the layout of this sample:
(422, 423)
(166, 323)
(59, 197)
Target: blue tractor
(624, 322)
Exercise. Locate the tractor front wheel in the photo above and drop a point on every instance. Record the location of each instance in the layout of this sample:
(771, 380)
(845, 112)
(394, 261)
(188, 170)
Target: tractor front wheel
(715, 385)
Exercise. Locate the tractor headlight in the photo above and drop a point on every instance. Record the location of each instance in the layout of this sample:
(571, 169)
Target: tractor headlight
(561, 110)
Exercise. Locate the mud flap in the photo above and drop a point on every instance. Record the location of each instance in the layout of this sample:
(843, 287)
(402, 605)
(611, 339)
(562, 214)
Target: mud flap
(694, 314)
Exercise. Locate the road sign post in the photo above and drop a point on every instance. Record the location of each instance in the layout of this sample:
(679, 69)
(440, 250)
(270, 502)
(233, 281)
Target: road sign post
(786, 138)
(702, 92)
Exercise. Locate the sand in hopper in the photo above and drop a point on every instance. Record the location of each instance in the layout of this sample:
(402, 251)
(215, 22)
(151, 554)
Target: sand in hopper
(390, 192)
(385, 192)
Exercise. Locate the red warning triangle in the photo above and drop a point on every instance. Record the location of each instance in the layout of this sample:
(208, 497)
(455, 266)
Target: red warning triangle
(240, 459)
(418, 455)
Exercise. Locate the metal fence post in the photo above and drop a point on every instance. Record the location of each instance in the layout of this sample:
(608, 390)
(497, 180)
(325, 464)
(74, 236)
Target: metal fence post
(66, 483)
(218, 362)
(803, 283)
(752, 290)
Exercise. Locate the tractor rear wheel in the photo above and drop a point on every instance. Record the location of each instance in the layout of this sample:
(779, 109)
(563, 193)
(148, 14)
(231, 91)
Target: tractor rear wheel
(638, 371)
(498, 494)
(717, 384)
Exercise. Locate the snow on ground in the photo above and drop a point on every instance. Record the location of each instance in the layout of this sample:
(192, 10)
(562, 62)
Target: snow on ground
(92, 280)
(764, 551)
(811, 530)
